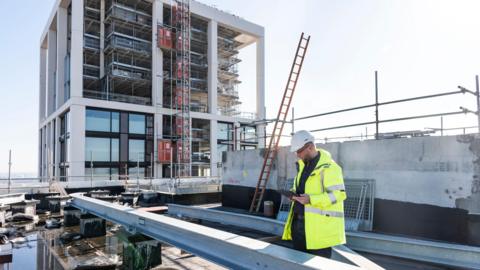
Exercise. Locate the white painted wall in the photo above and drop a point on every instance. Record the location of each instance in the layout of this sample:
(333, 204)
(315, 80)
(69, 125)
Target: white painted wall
(76, 153)
(61, 53)
(76, 58)
(51, 69)
(42, 83)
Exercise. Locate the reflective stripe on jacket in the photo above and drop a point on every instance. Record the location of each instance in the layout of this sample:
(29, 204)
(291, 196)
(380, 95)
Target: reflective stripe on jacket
(324, 216)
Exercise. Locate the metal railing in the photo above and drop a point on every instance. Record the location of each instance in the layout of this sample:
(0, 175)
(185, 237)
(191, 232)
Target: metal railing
(377, 104)
(117, 97)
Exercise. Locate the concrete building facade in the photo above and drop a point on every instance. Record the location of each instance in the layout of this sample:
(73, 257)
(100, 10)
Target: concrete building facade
(106, 101)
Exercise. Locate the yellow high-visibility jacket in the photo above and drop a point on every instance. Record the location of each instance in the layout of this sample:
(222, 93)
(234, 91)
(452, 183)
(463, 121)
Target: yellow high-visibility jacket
(324, 216)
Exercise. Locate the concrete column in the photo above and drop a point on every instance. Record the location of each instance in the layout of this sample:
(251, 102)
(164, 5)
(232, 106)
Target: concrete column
(43, 84)
(76, 153)
(157, 56)
(39, 163)
(157, 82)
(76, 59)
(51, 70)
(238, 133)
(261, 114)
(71, 216)
(44, 153)
(213, 148)
(212, 66)
(92, 226)
(57, 148)
(102, 38)
(3, 213)
(48, 151)
(158, 170)
(147, 251)
(261, 133)
(56, 203)
(62, 15)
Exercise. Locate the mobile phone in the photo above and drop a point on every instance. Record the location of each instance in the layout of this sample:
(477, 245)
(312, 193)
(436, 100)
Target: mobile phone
(287, 193)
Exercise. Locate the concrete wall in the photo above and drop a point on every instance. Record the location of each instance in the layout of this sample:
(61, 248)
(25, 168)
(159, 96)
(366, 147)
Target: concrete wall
(440, 171)
(426, 187)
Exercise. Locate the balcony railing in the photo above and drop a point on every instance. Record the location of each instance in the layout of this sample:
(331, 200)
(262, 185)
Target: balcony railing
(130, 15)
(117, 97)
(115, 41)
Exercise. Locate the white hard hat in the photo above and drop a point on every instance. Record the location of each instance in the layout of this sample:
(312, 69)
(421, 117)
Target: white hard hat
(300, 138)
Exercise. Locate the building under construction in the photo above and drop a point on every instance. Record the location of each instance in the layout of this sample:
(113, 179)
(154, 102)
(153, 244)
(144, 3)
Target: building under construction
(148, 88)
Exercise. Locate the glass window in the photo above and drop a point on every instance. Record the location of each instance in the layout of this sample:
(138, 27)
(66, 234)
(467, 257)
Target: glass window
(133, 171)
(114, 173)
(225, 131)
(98, 173)
(136, 150)
(97, 149)
(115, 122)
(98, 120)
(136, 123)
(115, 149)
(249, 134)
(248, 147)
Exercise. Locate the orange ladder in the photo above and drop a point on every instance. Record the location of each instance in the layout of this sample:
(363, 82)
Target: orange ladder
(271, 151)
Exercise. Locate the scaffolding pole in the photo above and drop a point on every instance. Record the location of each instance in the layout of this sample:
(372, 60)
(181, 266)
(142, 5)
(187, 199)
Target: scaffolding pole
(477, 92)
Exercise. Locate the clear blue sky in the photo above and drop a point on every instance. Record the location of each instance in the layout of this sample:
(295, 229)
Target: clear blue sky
(419, 47)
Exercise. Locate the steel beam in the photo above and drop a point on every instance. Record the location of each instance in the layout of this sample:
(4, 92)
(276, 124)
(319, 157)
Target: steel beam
(227, 249)
(453, 255)
(272, 226)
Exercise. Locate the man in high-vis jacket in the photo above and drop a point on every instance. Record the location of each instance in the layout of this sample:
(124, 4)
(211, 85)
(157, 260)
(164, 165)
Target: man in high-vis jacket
(315, 222)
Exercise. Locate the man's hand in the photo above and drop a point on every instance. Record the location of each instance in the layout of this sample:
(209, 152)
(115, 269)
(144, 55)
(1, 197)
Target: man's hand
(303, 199)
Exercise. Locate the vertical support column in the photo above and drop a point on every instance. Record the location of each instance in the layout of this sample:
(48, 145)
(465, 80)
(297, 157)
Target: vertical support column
(102, 38)
(157, 83)
(238, 133)
(157, 55)
(51, 69)
(48, 149)
(76, 153)
(92, 226)
(56, 142)
(478, 101)
(62, 16)
(212, 66)
(376, 105)
(76, 60)
(40, 153)
(261, 114)
(51, 152)
(44, 153)
(42, 109)
(214, 159)
(158, 135)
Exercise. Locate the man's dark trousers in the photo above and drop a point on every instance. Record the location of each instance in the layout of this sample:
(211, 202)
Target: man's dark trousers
(299, 241)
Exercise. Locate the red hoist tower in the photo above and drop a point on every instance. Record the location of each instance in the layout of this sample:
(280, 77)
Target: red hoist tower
(174, 40)
(183, 145)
